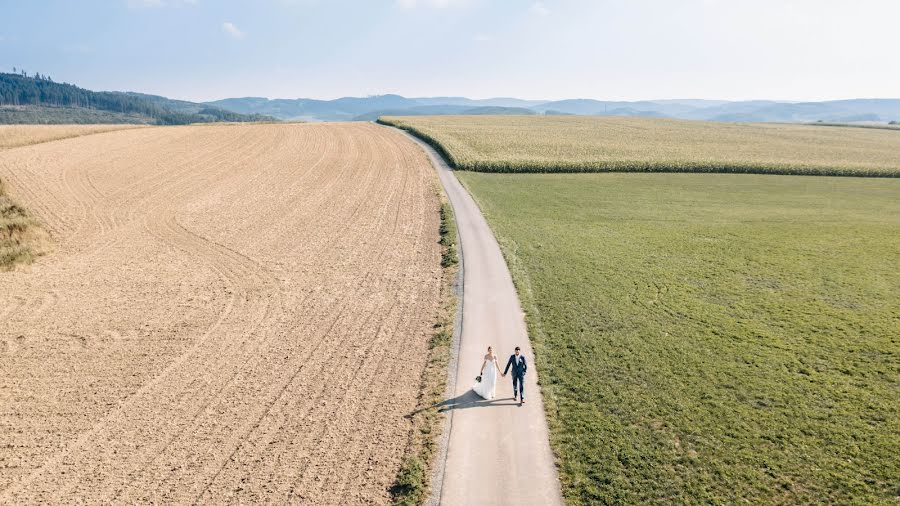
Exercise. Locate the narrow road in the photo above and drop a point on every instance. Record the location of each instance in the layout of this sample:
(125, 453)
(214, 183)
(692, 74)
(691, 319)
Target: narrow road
(498, 451)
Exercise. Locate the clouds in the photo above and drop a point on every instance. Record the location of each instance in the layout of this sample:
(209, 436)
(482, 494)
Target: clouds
(141, 4)
(435, 4)
(232, 31)
(539, 9)
(150, 4)
(530, 48)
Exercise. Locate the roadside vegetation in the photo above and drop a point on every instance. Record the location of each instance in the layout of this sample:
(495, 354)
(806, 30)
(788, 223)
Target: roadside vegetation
(608, 144)
(21, 238)
(708, 339)
(414, 478)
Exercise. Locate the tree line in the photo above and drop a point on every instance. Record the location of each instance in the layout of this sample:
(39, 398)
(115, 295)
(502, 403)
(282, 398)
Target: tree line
(19, 89)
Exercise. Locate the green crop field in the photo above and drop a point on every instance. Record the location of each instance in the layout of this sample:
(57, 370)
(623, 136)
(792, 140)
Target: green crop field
(711, 338)
(599, 144)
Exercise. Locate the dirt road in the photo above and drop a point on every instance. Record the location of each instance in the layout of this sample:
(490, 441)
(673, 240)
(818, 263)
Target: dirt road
(230, 314)
(498, 451)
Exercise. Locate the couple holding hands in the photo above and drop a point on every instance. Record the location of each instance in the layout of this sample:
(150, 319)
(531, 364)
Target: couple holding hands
(486, 382)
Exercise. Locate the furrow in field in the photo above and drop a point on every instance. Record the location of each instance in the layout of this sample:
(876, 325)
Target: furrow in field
(262, 288)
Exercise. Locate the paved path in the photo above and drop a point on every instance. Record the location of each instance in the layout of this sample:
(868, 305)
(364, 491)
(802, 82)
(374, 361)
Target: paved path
(498, 451)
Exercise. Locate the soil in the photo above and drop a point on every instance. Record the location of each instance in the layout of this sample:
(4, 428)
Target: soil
(230, 313)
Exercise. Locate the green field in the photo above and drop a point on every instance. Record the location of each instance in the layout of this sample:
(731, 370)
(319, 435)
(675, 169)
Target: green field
(601, 144)
(711, 338)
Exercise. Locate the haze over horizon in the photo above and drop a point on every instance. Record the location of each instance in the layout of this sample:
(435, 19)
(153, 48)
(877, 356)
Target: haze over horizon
(800, 50)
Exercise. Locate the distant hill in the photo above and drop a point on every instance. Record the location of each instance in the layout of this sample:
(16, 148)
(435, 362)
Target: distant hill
(421, 110)
(498, 110)
(38, 99)
(479, 102)
(553, 112)
(341, 109)
(443, 110)
(370, 108)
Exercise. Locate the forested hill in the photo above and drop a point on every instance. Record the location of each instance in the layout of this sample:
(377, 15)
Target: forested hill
(38, 99)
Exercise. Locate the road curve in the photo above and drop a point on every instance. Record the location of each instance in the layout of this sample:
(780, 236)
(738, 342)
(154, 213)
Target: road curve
(498, 451)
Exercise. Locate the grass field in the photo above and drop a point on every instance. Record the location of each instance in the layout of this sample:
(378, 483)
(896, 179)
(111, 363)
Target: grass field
(600, 144)
(38, 115)
(711, 338)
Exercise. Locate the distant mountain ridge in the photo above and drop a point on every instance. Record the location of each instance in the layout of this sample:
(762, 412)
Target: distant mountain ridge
(370, 108)
(38, 99)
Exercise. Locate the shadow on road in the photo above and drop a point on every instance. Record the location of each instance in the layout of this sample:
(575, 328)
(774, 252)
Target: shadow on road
(467, 400)
(472, 400)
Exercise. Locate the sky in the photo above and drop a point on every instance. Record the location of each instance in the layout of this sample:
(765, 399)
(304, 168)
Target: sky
(548, 50)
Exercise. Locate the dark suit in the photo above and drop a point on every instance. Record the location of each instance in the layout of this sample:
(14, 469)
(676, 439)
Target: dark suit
(519, 367)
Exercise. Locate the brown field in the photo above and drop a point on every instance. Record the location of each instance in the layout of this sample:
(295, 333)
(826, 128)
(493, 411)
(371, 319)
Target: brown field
(12, 136)
(230, 314)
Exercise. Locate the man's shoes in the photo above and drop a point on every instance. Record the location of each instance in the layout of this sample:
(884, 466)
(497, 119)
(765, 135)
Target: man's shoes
(522, 401)
(515, 396)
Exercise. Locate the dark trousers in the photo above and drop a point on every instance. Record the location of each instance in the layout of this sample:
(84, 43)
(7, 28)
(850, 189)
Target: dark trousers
(520, 382)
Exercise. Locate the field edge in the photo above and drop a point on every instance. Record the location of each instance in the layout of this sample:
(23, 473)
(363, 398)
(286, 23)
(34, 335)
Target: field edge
(413, 483)
(632, 166)
(22, 239)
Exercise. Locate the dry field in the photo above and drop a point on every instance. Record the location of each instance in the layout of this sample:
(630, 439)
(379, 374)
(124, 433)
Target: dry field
(599, 144)
(230, 314)
(12, 136)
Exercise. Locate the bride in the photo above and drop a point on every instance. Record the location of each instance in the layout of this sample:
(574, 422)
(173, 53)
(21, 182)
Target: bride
(489, 370)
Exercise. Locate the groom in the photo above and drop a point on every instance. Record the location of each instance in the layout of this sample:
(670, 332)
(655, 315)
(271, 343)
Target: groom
(519, 366)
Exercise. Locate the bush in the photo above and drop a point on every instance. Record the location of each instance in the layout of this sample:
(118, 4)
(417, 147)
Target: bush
(409, 490)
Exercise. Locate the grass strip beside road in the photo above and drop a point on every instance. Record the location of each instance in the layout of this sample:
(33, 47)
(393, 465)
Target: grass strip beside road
(414, 478)
(710, 338)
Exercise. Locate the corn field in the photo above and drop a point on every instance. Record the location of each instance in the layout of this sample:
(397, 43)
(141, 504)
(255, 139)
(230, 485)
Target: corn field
(607, 144)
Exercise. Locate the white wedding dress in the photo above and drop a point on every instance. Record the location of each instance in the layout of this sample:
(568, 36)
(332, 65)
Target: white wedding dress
(487, 387)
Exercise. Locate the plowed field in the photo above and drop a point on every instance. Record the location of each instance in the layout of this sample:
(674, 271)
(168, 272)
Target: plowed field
(229, 313)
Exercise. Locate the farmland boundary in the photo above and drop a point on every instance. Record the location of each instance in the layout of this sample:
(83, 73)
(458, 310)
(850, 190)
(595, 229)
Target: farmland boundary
(636, 166)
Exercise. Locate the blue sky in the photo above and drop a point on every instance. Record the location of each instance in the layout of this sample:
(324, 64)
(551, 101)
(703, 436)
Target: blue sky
(550, 49)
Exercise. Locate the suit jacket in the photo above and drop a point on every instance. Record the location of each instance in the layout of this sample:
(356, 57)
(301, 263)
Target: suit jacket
(519, 367)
